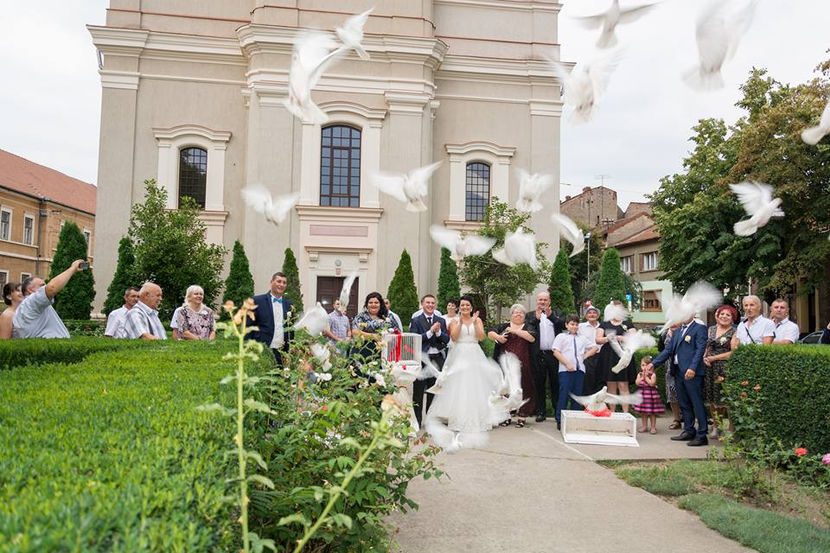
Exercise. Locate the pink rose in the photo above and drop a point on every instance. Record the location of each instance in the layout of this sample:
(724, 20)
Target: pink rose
(801, 451)
(826, 459)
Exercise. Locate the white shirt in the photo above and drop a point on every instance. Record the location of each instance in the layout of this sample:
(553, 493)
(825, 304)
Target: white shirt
(546, 333)
(435, 316)
(115, 323)
(36, 318)
(434, 313)
(279, 321)
(564, 344)
(174, 322)
(589, 332)
(786, 330)
(141, 319)
(394, 316)
(755, 333)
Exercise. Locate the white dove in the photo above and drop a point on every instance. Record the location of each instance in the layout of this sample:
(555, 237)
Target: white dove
(438, 387)
(812, 135)
(508, 396)
(314, 52)
(519, 247)
(531, 188)
(756, 197)
(346, 291)
(584, 84)
(720, 27)
(632, 341)
(569, 231)
(322, 353)
(460, 246)
(315, 321)
(700, 297)
(351, 33)
(258, 198)
(610, 18)
(410, 189)
(452, 441)
(614, 312)
(596, 403)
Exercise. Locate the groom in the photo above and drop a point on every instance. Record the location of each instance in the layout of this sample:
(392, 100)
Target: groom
(272, 318)
(434, 341)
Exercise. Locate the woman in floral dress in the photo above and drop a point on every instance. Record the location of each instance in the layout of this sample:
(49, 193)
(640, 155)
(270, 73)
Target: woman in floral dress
(718, 350)
(195, 320)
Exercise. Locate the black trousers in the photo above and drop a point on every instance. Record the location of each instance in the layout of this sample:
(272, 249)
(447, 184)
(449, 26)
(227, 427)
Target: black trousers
(547, 370)
(419, 388)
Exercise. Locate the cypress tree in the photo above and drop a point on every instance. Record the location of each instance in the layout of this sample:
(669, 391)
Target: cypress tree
(292, 291)
(402, 292)
(611, 284)
(448, 285)
(561, 293)
(240, 283)
(123, 277)
(75, 300)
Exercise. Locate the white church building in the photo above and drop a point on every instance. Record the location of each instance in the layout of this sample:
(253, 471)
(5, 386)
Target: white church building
(192, 97)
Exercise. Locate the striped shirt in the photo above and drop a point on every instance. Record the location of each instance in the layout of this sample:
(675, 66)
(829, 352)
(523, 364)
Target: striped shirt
(143, 320)
(338, 324)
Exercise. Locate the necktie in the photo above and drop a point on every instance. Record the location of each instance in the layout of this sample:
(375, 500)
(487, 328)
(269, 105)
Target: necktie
(275, 300)
(429, 321)
(576, 357)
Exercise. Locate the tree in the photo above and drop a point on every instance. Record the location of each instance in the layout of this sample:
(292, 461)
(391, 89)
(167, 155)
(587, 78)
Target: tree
(611, 283)
(240, 283)
(561, 294)
(448, 285)
(402, 292)
(632, 288)
(496, 284)
(123, 277)
(293, 291)
(75, 300)
(171, 250)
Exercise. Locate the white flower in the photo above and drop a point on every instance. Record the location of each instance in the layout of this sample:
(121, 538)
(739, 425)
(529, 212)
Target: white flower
(688, 338)
(322, 354)
(379, 380)
(324, 377)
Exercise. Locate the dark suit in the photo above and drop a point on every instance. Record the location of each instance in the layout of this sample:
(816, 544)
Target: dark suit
(689, 347)
(264, 321)
(420, 325)
(545, 365)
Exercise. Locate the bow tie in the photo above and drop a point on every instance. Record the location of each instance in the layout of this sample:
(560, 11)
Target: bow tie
(275, 300)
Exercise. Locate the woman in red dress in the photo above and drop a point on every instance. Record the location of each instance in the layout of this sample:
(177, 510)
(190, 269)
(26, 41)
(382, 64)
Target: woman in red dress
(513, 337)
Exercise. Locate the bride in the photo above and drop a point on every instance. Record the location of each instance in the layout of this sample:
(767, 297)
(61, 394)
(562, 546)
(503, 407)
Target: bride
(460, 415)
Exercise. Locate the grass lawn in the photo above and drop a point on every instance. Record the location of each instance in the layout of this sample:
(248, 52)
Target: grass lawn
(763, 511)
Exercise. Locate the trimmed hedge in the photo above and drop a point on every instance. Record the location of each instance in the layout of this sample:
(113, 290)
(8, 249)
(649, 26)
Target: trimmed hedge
(18, 353)
(792, 404)
(111, 455)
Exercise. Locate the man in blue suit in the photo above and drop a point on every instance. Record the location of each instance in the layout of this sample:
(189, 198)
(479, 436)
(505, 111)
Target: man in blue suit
(271, 317)
(434, 341)
(686, 350)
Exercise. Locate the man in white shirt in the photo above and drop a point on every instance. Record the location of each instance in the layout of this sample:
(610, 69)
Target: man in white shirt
(544, 324)
(35, 317)
(143, 319)
(786, 332)
(392, 314)
(588, 329)
(755, 329)
(117, 318)
(572, 350)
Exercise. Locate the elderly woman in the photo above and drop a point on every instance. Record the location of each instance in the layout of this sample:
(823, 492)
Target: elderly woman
(755, 328)
(718, 350)
(12, 296)
(514, 337)
(195, 320)
(370, 325)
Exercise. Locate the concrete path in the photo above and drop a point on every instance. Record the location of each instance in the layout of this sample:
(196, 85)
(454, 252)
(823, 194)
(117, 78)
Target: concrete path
(529, 492)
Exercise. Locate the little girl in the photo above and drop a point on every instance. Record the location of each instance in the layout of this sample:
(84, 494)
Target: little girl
(652, 403)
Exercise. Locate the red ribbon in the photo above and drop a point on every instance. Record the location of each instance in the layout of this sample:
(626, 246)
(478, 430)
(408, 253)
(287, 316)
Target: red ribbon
(395, 355)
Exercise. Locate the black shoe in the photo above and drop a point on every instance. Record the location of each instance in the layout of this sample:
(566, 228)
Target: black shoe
(684, 437)
(700, 440)
(541, 418)
(558, 425)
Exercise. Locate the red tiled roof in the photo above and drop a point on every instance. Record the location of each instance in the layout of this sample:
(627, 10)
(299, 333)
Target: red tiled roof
(42, 182)
(644, 235)
(622, 222)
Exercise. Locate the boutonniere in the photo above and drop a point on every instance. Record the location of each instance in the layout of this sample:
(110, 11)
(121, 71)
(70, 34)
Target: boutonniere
(363, 325)
(288, 314)
(688, 338)
(624, 327)
(722, 340)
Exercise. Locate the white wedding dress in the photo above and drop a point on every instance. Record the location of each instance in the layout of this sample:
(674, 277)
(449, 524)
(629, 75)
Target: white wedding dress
(460, 414)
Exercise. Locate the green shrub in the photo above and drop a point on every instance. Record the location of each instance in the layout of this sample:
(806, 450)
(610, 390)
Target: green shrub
(791, 405)
(89, 327)
(18, 353)
(559, 287)
(239, 285)
(122, 278)
(75, 300)
(402, 293)
(611, 284)
(293, 290)
(110, 454)
(448, 284)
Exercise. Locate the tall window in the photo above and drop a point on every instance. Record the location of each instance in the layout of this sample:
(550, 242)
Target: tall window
(88, 238)
(625, 264)
(28, 229)
(5, 224)
(651, 301)
(340, 167)
(193, 174)
(4, 278)
(477, 191)
(650, 261)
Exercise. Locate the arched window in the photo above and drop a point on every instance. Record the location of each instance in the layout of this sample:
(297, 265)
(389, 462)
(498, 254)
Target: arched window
(193, 174)
(340, 166)
(477, 191)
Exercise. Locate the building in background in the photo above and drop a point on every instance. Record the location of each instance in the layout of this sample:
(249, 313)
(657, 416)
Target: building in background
(594, 207)
(194, 99)
(35, 201)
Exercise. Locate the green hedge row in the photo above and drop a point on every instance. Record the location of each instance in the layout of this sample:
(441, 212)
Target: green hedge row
(792, 401)
(17, 353)
(111, 455)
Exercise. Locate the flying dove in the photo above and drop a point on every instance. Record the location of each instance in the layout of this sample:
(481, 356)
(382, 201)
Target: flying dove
(610, 18)
(632, 341)
(410, 189)
(812, 135)
(569, 231)
(519, 247)
(758, 203)
(531, 188)
(351, 33)
(315, 321)
(460, 246)
(596, 403)
(275, 210)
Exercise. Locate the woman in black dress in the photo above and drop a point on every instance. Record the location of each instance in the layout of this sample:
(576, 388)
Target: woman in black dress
(617, 323)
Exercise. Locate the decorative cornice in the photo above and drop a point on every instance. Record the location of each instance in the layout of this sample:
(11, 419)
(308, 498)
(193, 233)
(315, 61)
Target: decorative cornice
(315, 251)
(463, 226)
(112, 40)
(511, 5)
(407, 104)
(166, 135)
(340, 214)
(480, 146)
(546, 108)
(342, 106)
(123, 80)
(213, 218)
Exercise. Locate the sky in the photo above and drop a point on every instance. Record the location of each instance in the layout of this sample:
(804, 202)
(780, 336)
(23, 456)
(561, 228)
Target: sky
(50, 92)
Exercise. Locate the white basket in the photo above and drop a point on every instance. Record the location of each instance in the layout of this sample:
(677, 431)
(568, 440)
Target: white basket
(402, 349)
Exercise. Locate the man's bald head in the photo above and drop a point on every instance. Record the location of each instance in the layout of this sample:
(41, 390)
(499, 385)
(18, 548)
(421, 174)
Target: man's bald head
(150, 295)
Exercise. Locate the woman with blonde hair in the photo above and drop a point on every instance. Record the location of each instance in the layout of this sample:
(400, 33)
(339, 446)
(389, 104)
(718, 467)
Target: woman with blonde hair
(195, 320)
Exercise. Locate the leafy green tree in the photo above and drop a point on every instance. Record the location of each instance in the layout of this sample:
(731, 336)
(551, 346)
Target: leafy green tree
(292, 290)
(171, 250)
(561, 294)
(240, 283)
(75, 300)
(632, 288)
(611, 283)
(402, 292)
(448, 285)
(496, 284)
(123, 277)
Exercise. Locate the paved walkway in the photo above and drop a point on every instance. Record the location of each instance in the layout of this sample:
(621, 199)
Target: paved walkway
(529, 492)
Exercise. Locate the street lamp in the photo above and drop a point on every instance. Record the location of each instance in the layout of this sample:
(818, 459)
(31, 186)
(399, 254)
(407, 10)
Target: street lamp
(588, 238)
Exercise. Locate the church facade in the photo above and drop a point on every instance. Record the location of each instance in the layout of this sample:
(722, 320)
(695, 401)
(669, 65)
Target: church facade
(192, 97)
